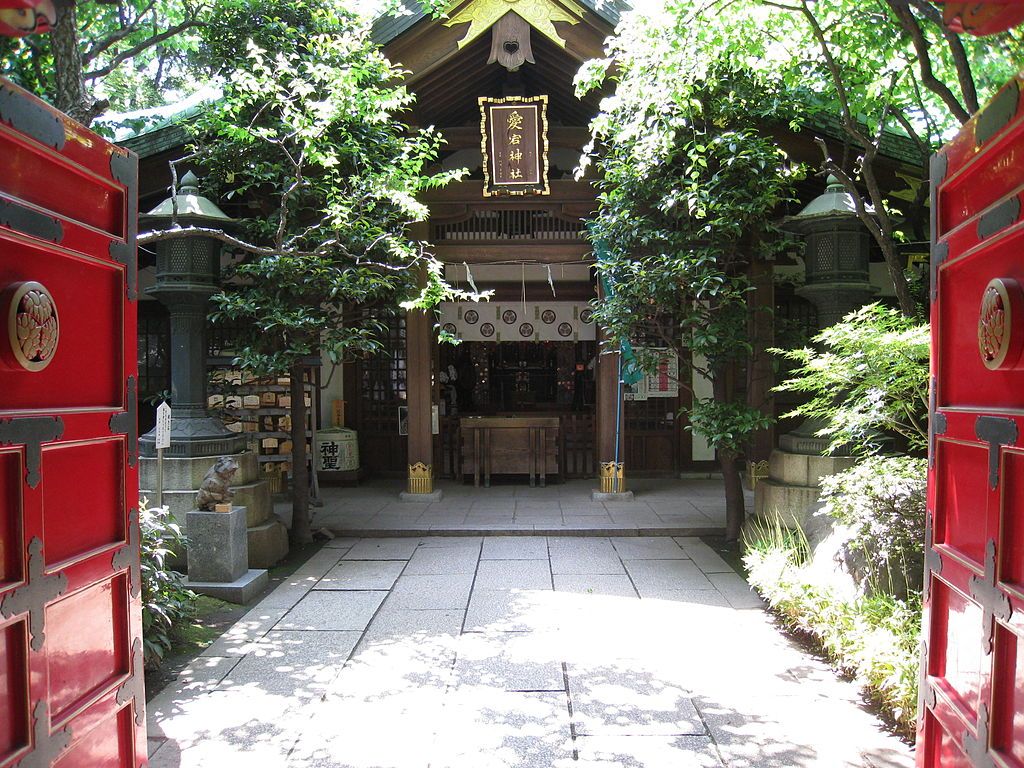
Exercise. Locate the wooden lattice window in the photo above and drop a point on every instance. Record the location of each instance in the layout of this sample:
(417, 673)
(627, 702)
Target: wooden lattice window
(383, 380)
(502, 225)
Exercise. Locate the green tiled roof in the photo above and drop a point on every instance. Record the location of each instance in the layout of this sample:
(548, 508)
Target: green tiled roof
(157, 140)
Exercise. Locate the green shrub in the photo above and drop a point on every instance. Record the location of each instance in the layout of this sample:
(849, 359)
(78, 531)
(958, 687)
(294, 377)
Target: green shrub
(165, 600)
(867, 377)
(874, 638)
(882, 498)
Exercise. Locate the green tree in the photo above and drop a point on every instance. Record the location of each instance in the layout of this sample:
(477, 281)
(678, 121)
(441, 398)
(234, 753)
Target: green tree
(311, 133)
(125, 54)
(891, 72)
(867, 378)
(687, 197)
(876, 77)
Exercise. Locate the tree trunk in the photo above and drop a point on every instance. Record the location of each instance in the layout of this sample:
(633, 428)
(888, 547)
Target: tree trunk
(69, 84)
(894, 264)
(735, 507)
(761, 365)
(724, 388)
(300, 533)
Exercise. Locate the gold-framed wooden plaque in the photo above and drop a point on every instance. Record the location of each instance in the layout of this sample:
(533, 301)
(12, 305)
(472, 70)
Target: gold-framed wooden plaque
(514, 142)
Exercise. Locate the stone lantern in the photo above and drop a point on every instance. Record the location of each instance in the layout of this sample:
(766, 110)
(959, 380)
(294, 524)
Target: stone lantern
(227, 550)
(836, 260)
(836, 256)
(187, 274)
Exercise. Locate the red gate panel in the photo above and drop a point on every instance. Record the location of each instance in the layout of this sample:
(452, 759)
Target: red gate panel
(972, 687)
(71, 676)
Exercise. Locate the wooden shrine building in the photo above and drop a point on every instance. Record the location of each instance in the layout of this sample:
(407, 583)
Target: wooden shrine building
(527, 392)
(530, 394)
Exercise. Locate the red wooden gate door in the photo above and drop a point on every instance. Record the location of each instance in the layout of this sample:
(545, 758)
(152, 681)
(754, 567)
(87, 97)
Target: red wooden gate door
(71, 677)
(972, 690)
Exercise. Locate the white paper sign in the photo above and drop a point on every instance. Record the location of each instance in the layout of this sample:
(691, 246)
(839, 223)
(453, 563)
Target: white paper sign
(664, 382)
(163, 426)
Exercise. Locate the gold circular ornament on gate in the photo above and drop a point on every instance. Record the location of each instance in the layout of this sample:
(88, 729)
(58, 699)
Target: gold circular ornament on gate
(999, 343)
(33, 327)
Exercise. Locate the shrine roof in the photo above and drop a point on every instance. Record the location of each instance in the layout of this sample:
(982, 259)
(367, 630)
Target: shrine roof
(389, 27)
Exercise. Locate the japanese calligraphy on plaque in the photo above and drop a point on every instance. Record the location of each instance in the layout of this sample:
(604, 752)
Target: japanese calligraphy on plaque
(515, 145)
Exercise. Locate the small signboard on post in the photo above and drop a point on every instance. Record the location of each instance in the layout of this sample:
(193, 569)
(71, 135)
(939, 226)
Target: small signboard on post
(515, 145)
(163, 440)
(163, 426)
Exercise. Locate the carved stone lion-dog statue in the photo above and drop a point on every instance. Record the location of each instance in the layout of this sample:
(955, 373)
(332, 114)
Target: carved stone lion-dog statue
(215, 488)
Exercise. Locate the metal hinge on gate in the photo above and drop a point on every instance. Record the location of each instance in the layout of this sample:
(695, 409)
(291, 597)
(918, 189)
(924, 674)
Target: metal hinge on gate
(125, 169)
(977, 748)
(28, 221)
(32, 597)
(128, 556)
(994, 602)
(932, 558)
(127, 423)
(997, 432)
(999, 218)
(926, 696)
(31, 118)
(936, 421)
(133, 689)
(32, 432)
(48, 747)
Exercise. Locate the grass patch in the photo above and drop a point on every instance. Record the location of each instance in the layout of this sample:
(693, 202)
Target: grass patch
(874, 639)
(202, 628)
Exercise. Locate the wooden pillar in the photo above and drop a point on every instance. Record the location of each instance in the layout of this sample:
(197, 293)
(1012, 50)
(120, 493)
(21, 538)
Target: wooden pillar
(760, 372)
(419, 341)
(608, 405)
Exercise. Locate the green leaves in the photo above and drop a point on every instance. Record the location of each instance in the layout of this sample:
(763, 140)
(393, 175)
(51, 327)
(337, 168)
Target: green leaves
(165, 600)
(309, 130)
(688, 198)
(866, 376)
(883, 499)
(726, 425)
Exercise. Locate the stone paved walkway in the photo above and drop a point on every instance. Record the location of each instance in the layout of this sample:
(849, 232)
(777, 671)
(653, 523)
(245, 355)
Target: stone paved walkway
(694, 507)
(512, 652)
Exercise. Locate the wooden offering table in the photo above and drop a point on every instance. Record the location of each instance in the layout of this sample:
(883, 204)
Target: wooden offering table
(509, 445)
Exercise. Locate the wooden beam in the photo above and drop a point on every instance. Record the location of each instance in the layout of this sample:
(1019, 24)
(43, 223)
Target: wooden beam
(562, 191)
(522, 252)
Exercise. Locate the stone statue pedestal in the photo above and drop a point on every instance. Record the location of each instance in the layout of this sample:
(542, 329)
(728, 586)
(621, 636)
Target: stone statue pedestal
(268, 537)
(218, 556)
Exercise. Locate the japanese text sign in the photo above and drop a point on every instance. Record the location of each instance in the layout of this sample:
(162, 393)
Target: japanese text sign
(515, 145)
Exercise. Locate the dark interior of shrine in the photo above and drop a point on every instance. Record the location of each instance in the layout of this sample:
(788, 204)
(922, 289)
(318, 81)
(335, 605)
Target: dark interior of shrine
(492, 378)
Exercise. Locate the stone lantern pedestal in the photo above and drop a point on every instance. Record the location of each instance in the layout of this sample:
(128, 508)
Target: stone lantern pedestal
(187, 275)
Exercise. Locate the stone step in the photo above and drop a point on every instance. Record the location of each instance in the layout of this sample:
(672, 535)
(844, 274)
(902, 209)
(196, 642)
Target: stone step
(268, 544)
(188, 473)
(499, 529)
(255, 497)
(257, 500)
(793, 505)
(799, 469)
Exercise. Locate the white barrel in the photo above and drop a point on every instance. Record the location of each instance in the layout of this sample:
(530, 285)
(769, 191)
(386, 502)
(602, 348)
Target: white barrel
(337, 450)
